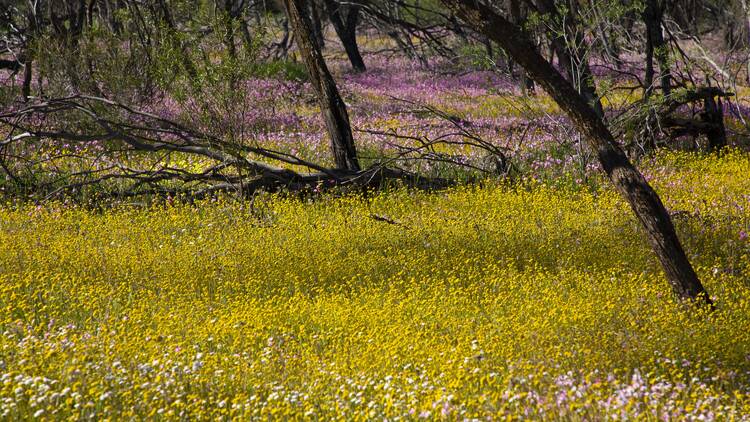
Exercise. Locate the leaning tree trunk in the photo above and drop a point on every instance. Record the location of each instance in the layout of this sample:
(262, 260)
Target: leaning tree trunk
(346, 29)
(331, 104)
(628, 181)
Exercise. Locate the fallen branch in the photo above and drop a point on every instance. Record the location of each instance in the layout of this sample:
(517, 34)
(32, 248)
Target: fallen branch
(124, 152)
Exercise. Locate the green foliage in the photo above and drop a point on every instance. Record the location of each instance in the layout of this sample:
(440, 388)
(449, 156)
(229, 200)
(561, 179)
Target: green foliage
(147, 58)
(475, 56)
(281, 69)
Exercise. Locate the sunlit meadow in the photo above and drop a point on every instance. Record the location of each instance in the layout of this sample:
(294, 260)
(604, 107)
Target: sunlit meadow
(531, 298)
(480, 302)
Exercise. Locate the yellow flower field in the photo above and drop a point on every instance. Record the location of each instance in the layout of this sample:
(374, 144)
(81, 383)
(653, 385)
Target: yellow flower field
(496, 302)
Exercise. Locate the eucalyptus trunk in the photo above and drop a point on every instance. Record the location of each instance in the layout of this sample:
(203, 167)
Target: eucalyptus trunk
(628, 181)
(331, 104)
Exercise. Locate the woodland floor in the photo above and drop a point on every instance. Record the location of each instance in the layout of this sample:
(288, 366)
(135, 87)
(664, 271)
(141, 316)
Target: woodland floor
(536, 297)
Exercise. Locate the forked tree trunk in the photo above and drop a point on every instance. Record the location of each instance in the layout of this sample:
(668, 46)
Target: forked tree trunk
(346, 29)
(628, 181)
(331, 104)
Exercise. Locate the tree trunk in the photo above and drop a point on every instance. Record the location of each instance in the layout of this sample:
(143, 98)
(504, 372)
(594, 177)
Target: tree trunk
(317, 23)
(518, 17)
(283, 45)
(331, 104)
(630, 183)
(649, 141)
(28, 67)
(347, 31)
(656, 47)
(488, 49)
(746, 11)
(713, 114)
(228, 19)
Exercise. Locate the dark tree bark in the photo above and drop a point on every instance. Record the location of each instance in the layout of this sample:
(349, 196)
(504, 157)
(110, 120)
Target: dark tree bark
(488, 48)
(317, 23)
(685, 13)
(27, 75)
(713, 114)
(518, 17)
(628, 181)
(655, 47)
(229, 18)
(346, 29)
(285, 43)
(331, 104)
(12, 65)
(28, 54)
(746, 12)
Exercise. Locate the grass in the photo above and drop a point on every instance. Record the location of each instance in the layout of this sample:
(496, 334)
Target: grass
(527, 301)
